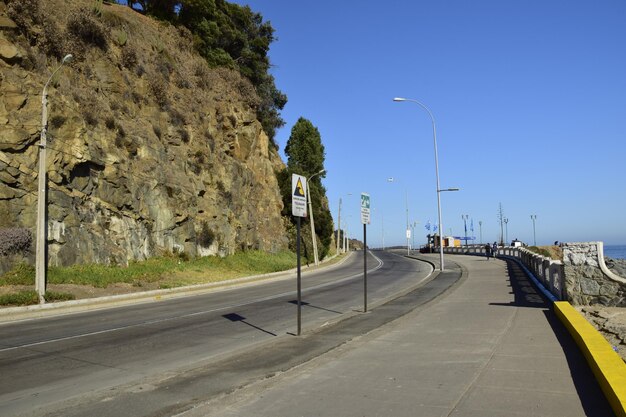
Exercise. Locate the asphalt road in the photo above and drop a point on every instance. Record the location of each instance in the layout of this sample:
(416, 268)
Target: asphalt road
(112, 362)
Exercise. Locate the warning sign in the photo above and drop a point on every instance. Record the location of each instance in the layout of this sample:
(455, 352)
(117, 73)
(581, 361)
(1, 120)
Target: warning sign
(298, 195)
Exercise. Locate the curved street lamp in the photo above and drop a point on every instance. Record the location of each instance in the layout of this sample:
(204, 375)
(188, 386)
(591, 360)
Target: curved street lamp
(40, 257)
(313, 238)
(439, 190)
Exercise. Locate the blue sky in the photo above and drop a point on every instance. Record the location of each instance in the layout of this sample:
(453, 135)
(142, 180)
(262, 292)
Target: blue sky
(529, 100)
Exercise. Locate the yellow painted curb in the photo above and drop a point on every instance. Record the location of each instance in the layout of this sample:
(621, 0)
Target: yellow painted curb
(606, 364)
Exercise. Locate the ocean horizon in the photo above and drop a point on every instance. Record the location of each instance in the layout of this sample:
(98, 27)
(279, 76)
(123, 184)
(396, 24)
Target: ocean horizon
(615, 251)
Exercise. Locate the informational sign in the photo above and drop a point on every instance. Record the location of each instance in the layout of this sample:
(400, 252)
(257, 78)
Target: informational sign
(408, 233)
(365, 208)
(298, 195)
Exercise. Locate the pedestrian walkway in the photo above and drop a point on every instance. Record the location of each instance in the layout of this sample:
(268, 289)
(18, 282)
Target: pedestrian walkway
(489, 347)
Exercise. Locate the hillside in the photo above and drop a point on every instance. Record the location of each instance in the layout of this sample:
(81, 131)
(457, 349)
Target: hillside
(149, 149)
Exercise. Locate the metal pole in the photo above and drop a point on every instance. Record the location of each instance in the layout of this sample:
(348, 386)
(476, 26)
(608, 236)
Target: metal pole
(365, 268)
(501, 217)
(480, 226)
(533, 218)
(506, 230)
(464, 217)
(441, 229)
(382, 221)
(408, 230)
(299, 278)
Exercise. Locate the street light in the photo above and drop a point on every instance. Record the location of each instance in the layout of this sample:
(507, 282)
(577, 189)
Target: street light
(308, 191)
(480, 226)
(465, 217)
(436, 174)
(40, 256)
(506, 229)
(408, 230)
(533, 217)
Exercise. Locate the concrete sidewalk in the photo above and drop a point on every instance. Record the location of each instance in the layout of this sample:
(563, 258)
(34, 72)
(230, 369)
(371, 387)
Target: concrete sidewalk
(490, 347)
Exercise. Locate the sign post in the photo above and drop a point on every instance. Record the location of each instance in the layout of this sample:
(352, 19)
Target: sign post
(365, 219)
(298, 209)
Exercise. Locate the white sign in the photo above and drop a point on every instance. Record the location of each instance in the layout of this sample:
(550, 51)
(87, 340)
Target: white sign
(298, 195)
(365, 208)
(408, 233)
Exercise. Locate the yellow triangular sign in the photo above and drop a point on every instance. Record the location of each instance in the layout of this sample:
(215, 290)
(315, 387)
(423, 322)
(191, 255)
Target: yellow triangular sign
(299, 191)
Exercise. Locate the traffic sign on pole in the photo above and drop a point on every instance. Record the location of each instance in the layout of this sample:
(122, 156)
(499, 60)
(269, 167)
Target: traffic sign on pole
(365, 208)
(298, 210)
(298, 195)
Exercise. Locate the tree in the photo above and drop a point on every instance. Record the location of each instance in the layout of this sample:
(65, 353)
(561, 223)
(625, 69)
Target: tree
(304, 149)
(305, 156)
(228, 35)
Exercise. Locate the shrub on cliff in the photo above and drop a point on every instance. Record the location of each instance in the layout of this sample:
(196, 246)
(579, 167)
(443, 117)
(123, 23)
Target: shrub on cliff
(15, 241)
(25, 13)
(228, 35)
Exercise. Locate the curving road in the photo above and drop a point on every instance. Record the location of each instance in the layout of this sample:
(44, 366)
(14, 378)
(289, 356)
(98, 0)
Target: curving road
(96, 363)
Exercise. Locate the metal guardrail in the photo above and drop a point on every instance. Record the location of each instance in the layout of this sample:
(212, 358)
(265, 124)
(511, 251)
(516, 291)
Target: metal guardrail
(547, 271)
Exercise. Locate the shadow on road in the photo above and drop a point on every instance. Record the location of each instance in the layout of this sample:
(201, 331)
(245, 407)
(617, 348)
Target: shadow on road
(525, 293)
(304, 303)
(236, 317)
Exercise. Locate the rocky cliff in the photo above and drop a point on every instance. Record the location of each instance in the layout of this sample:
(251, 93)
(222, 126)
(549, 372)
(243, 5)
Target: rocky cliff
(149, 149)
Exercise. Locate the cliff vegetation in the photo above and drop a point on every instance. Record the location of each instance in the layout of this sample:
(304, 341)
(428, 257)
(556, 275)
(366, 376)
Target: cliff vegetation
(153, 147)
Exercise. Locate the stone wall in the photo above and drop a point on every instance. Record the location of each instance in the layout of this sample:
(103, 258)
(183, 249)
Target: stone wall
(588, 281)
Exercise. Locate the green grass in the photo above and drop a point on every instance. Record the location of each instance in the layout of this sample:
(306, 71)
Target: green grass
(540, 251)
(168, 271)
(24, 298)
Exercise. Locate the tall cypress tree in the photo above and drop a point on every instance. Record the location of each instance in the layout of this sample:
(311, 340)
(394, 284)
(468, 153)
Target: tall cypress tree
(305, 156)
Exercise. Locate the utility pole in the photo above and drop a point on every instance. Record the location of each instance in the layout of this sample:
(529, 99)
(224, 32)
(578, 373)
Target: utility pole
(506, 229)
(313, 236)
(533, 217)
(338, 226)
(41, 257)
(465, 217)
(501, 218)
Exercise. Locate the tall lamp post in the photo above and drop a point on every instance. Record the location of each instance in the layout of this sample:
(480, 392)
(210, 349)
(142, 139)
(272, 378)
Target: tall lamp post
(439, 190)
(408, 230)
(40, 256)
(313, 238)
(480, 227)
(465, 217)
(533, 217)
(506, 229)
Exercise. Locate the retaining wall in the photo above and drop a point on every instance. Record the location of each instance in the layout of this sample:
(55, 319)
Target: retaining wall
(582, 278)
(587, 278)
(548, 271)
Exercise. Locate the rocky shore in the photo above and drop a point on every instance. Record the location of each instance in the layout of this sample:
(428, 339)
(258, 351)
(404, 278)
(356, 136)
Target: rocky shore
(610, 321)
(618, 266)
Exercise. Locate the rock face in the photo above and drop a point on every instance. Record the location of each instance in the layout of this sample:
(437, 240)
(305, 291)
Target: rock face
(588, 281)
(149, 150)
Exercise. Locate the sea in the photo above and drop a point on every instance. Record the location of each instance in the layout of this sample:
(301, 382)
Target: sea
(615, 251)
